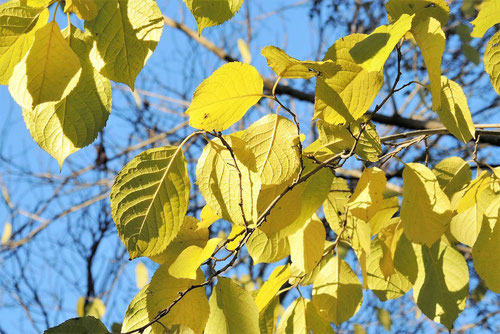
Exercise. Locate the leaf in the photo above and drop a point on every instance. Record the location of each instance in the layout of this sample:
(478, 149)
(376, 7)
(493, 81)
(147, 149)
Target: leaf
(384, 317)
(471, 53)
(7, 232)
(306, 245)
(232, 309)
(273, 140)
(79, 326)
(125, 33)
(487, 246)
(84, 9)
(367, 198)
(149, 200)
(268, 317)
(442, 283)
(372, 52)
(287, 67)
(347, 95)
(141, 275)
(452, 174)
(164, 289)
(244, 51)
(48, 72)
(224, 97)
(62, 128)
(437, 9)
(336, 202)
(337, 292)
(136, 314)
(425, 210)
(492, 61)
(207, 217)
(268, 291)
(265, 248)
(473, 191)
(237, 234)
(302, 317)
(219, 181)
(212, 13)
(488, 16)
(94, 308)
(191, 258)
(382, 217)
(431, 40)
(454, 111)
(18, 25)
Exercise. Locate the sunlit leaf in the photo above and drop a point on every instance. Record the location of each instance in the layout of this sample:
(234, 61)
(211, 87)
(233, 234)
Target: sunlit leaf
(84, 9)
(301, 317)
(492, 61)
(141, 275)
(7, 232)
(271, 287)
(368, 195)
(452, 174)
(437, 9)
(79, 325)
(306, 245)
(212, 13)
(264, 248)
(191, 258)
(488, 16)
(93, 307)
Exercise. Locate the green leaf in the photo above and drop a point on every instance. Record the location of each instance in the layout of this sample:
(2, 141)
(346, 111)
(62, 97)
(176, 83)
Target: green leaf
(471, 53)
(149, 200)
(472, 192)
(488, 16)
(224, 97)
(84, 9)
(442, 283)
(191, 258)
(268, 317)
(94, 308)
(232, 310)
(431, 40)
(492, 61)
(487, 247)
(136, 314)
(306, 245)
(18, 25)
(437, 9)
(384, 317)
(347, 95)
(382, 217)
(212, 13)
(125, 33)
(366, 200)
(268, 291)
(62, 128)
(141, 275)
(302, 317)
(287, 67)
(219, 180)
(452, 174)
(48, 72)
(454, 111)
(79, 326)
(264, 248)
(425, 210)
(372, 52)
(337, 292)
(336, 202)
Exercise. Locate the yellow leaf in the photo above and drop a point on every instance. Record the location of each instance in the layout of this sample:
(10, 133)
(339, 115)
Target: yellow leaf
(48, 72)
(149, 200)
(7, 232)
(382, 217)
(207, 217)
(235, 230)
(336, 202)
(389, 237)
(287, 67)
(337, 292)
(94, 308)
(125, 33)
(452, 174)
(372, 52)
(268, 317)
(454, 111)
(232, 310)
(384, 317)
(492, 61)
(244, 51)
(306, 245)
(487, 247)
(473, 191)
(442, 283)
(18, 25)
(425, 210)
(437, 9)
(141, 275)
(84, 9)
(271, 287)
(367, 198)
(347, 95)
(212, 13)
(265, 248)
(431, 40)
(488, 16)
(62, 128)
(224, 97)
(302, 317)
(191, 258)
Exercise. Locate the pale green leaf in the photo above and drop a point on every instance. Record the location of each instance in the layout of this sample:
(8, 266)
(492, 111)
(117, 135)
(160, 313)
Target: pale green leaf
(337, 292)
(94, 308)
(268, 317)
(244, 51)
(212, 13)
(472, 192)
(454, 111)
(18, 25)
(265, 248)
(384, 317)
(388, 208)
(136, 314)
(232, 310)
(84, 9)
(437, 9)
(425, 210)
(191, 258)
(372, 52)
(271, 287)
(62, 128)
(488, 16)
(346, 95)
(79, 326)
(302, 317)
(141, 275)
(492, 61)
(306, 245)
(125, 33)
(224, 97)
(368, 195)
(442, 283)
(48, 72)
(149, 200)
(335, 204)
(452, 174)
